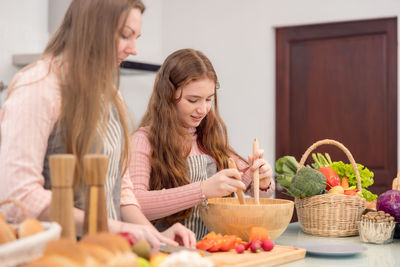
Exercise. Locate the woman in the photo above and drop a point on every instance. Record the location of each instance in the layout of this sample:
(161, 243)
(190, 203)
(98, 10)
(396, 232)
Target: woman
(68, 102)
(181, 150)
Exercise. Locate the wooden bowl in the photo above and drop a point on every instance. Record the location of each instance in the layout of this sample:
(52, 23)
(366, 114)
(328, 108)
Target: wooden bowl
(227, 216)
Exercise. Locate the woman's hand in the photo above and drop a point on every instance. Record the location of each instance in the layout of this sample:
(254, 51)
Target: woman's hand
(222, 183)
(181, 234)
(148, 233)
(258, 162)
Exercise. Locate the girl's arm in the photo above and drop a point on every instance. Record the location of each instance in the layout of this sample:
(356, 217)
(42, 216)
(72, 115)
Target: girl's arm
(157, 204)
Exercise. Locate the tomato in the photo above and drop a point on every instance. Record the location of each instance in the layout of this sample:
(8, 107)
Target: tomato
(210, 235)
(229, 242)
(205, 244)
(217, 242)
(217, 245)
(332, 178)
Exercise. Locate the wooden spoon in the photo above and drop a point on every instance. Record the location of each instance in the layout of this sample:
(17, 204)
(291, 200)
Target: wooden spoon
(256, 174)
(239, 192)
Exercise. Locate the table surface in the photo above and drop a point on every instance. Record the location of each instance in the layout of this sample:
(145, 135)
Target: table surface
(376, 255)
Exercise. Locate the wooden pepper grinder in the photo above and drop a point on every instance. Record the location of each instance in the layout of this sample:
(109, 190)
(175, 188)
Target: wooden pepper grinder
(62, 168)
(95, 166)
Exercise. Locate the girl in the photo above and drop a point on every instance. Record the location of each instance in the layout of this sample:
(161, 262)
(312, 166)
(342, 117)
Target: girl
(68, 102)
(181, 150)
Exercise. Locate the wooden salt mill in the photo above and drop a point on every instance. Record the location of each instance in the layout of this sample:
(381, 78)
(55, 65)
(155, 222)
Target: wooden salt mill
(95, 166)
(62, 168)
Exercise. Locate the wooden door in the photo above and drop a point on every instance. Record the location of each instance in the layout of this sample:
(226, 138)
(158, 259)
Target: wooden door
(339, 81)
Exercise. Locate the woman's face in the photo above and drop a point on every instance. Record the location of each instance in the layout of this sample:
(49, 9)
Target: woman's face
(131, 31)
(196, 101)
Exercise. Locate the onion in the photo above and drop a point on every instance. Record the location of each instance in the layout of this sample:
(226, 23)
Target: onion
(389, 202)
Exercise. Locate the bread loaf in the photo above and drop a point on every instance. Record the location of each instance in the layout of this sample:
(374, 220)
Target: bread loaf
(29, 227)
(64, 252)
(100, 250)
(6, 233)
(120, 253)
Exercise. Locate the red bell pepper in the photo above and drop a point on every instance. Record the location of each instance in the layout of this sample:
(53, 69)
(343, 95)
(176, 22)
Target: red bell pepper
(332, 178)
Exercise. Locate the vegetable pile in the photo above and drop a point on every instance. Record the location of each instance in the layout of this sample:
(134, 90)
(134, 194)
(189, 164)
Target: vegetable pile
(324, 176)
(259, 240)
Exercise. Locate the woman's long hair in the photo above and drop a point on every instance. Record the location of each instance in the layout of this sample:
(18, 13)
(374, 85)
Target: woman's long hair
(87, 42)
(170, 141)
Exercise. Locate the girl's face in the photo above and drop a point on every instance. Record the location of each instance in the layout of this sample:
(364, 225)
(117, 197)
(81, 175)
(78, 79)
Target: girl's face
(196, 101)
(130, 32)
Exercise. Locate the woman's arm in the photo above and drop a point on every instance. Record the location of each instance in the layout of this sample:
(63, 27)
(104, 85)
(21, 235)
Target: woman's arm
(26, 121)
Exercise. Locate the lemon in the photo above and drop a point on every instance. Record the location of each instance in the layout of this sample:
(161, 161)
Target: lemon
(143, 262)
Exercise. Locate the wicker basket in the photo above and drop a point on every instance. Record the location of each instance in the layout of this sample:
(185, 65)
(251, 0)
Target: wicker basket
(28, 248)
(330, 214)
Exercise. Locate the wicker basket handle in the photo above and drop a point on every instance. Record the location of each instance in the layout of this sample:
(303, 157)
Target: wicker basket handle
(339, 145)
(17, 203)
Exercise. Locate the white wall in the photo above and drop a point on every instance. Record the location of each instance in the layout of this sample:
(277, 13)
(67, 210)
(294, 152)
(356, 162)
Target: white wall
(238, 37)
(23, 29)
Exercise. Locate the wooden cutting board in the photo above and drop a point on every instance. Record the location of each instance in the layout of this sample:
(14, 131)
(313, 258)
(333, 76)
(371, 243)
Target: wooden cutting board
(279, 255)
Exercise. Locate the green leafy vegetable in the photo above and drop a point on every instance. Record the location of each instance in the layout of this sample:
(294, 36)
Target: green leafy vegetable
(367, 177)
(346, 170)
(286, 166)
(368, 195)
(306, 183)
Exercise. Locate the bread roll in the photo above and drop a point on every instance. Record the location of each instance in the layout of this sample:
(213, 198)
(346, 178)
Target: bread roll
(29, 227)
(52, 261)
(119, 249)
(67, 251)
(6, 233)
(2, 217)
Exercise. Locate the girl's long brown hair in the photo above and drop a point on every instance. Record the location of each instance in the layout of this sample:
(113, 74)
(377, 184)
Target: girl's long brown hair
(86, 42)
(170, 141)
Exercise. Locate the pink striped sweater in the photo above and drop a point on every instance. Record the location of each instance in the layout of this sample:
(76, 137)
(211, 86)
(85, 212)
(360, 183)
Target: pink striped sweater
(157, 204)
(26, 121)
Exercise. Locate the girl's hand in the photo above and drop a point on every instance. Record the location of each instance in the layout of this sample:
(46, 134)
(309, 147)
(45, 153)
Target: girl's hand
(181, 234)
(222, 183)
(258, 162)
